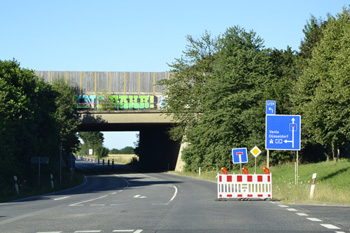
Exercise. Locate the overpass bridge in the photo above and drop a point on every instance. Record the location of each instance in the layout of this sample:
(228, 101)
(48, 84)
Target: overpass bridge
(126, 101)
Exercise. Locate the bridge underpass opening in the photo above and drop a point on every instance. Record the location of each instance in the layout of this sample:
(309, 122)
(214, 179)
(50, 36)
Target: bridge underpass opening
(120, 140)
(157, 152)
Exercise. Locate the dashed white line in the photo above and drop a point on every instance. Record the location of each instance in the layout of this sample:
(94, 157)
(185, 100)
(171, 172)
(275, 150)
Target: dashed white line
(92, 231)
(330, 226)
(79, 203)
(137, 231)
(302, 214)
(123, 231)
(50, 232)
(60, 198)
(314, 219)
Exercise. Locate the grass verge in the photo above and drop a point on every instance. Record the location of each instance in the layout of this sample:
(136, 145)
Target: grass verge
(45, 187)
(332, 181)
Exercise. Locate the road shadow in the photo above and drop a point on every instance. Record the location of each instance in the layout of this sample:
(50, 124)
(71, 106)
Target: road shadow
(334, 174)
(101, 178)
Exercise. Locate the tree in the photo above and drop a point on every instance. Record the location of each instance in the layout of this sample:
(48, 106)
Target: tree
(28, 126)
(127, 150)
(313, 32)
(66, 115)
(93, 140)
(189, 76)
(114, 151)
(323, 89)
(218, 96)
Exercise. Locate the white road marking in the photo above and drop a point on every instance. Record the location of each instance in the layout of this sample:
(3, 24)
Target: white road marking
(97, 205)
(172, 198)
(175, 193)
(79, 203)
(330, 226)
(340, 232)
(60, 198)
(123, 231)
(139, 196)
(302, 214)
(93, 231)
(283, 206)
(137, 231)
(50, 232)
(291, 209)
(314, 219)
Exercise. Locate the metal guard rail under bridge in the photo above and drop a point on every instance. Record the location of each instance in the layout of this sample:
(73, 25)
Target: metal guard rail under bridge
(109, 82)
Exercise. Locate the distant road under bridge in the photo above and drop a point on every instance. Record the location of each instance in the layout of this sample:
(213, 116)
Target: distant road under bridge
(134, 104)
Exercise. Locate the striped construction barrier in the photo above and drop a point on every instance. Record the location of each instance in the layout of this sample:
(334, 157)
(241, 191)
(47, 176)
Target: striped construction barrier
(245, 186)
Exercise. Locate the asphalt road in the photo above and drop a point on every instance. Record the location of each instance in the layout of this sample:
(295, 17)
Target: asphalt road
(125, 201)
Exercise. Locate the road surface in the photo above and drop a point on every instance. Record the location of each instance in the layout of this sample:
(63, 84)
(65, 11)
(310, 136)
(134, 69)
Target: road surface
(121, 200)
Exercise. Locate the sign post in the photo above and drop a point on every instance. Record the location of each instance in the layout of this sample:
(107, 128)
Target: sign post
(255, 152)
(39, 160)
(270, 109)
(313, 185)
(283, 132)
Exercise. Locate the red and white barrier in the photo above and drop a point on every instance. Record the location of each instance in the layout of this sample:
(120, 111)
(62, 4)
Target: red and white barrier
(245, 186)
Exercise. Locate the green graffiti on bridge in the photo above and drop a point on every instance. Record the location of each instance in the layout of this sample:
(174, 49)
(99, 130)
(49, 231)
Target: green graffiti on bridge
(119, 102)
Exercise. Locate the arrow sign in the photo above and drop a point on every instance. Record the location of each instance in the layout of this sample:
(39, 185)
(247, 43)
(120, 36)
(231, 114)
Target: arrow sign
(270, 107)
(283, 132)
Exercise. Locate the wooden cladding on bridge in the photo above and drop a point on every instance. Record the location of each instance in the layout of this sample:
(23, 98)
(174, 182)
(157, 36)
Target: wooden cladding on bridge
(109, 82)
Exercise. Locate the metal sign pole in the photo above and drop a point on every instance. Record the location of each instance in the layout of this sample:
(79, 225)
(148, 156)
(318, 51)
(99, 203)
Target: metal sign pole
(268, 159)
(39, 173)
(61, 162)
(296, 172)
(255, 166)
(297, 181)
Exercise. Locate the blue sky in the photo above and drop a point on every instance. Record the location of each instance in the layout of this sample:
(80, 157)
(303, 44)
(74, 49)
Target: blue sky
(139, 35)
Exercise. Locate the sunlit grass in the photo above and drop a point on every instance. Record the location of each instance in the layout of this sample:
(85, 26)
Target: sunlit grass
(332, 181)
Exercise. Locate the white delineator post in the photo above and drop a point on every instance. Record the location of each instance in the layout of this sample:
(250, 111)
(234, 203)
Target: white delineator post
(313, 185)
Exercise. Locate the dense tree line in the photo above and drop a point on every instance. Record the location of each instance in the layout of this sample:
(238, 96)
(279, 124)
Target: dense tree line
(219, 87)
(125, 150)
(35, 118)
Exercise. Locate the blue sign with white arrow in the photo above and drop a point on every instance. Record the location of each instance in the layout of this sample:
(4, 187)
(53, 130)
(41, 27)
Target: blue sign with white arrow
(240, 155)
(270, 107)
(283, 132)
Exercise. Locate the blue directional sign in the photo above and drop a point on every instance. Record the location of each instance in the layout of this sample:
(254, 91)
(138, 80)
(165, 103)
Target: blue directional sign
(270, 107)
(240, 155)
(283, 132)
